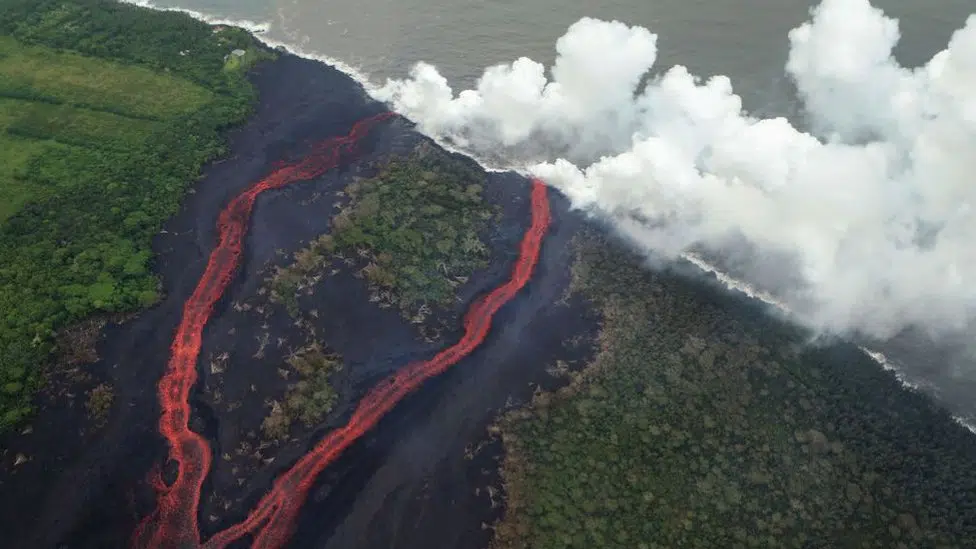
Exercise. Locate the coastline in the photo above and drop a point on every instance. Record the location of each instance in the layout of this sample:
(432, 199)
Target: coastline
(886, 364)
(259, 30)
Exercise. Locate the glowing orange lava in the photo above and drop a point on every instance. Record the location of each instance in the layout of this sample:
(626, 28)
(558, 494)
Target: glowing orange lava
(175, 521)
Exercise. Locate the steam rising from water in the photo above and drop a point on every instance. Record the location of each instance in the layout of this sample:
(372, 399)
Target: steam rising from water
(861, 225)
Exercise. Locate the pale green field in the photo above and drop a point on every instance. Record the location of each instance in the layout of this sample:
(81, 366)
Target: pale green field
(51, 101)
(95, 83)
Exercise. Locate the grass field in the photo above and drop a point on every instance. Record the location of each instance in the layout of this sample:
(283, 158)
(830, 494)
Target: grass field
(44, 74)
(14, 156)
(51, 100)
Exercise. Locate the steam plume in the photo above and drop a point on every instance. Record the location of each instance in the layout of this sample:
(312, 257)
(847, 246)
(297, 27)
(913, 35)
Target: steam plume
(862, 224)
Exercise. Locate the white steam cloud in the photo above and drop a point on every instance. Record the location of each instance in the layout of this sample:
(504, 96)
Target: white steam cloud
(864, 225)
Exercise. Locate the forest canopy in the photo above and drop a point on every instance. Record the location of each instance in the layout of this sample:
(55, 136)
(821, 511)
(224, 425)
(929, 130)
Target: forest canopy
(107, 113)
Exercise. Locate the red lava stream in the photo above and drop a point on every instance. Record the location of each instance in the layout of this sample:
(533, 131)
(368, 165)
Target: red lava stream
(175, 521)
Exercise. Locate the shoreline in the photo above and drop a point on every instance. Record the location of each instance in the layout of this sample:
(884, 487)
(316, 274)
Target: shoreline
(259, 29)
(734, 285)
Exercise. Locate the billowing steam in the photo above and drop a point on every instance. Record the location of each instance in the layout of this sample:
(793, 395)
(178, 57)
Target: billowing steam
(863, 225)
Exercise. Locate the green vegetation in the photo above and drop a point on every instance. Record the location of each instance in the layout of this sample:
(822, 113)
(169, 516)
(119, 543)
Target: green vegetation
(38, 73)
(310, 398)
(413, 230)
(14, 156)
(704, 423)
(242, 60)
(288, 282)
(107, 114)
(99, 403)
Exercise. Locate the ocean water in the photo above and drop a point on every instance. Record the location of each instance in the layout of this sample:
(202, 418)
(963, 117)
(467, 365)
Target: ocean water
(743, 39)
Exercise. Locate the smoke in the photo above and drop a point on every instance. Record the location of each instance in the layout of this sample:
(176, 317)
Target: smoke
(863, 224)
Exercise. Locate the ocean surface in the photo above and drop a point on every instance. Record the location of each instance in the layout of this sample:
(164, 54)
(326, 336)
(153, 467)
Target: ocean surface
(745, 40)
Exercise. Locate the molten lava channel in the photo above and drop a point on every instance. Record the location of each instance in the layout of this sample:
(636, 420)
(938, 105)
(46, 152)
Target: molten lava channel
(174, 523)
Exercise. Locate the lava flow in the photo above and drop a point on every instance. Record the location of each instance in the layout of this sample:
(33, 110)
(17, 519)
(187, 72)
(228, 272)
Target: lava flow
(175, 522)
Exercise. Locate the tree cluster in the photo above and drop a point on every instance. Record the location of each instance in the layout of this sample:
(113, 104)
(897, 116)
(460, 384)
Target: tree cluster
(413, 232)
(311, 397)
